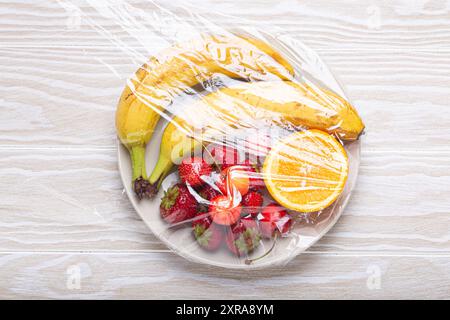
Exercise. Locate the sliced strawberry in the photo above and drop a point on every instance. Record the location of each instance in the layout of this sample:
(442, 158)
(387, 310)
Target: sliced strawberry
(221, 182)
(207, 193)
(252, 203)
(233, 179)
(224, 210)
(256, 181)
(274, 219)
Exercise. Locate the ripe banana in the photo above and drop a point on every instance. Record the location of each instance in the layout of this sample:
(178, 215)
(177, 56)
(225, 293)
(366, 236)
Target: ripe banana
(177, 69)
(281, 103)
(292, 103)
(185, 135)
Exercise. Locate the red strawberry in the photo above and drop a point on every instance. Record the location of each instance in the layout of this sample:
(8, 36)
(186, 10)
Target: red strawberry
(252, 203)
(223, 156)
(255, 177)
(221, 182)
(207, 193)
(207, 234)
(224, 210)
(233, 179)
(192, 169)
(201, 222)
(178, 204)
(274, 219)
(243, 237)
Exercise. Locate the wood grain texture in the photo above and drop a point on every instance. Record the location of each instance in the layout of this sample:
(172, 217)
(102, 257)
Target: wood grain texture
(85, 208)
(418, 24)
(63, 65)
(65, 88)
(161, 275)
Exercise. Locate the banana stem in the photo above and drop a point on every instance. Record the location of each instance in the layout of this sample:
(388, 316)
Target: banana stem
(141, 186)
(138, 162)
(160, 171)
(163, 176)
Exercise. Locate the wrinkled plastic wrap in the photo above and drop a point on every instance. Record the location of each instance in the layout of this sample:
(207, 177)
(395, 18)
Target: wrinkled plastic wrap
(238, 148)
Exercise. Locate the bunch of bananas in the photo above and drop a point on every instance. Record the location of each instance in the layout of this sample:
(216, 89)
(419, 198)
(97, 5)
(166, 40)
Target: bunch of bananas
(269, 94)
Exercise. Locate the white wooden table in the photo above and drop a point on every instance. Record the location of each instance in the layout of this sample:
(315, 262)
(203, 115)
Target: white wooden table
(67, 230)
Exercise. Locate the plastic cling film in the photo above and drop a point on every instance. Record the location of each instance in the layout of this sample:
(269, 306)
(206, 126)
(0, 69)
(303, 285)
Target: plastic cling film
(238, 147)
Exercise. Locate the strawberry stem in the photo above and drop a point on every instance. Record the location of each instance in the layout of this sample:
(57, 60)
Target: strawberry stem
(250, 261)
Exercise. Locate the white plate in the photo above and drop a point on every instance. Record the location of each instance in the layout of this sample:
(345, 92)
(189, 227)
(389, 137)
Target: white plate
(304, 234)
(181, 241)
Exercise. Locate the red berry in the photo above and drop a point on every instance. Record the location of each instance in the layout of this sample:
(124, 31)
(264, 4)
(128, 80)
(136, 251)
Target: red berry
(243, 237)
(233, 179)
(178, 204)
(212, 238)
(192, 169)
(252, 203)
(207, 235)
(223, 156)
(207, 193)
(256, 181)
(249, 222)
(224, 210)
(200, 223)
(274, 219)
(221, 182)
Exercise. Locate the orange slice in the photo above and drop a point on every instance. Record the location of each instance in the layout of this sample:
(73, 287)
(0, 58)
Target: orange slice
(306, 171)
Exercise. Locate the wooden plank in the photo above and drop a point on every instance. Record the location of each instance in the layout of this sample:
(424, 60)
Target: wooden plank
(64, 200)
(351, 24)
(161, 275)
(62, 209)
(58, 199)
(67, 97)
